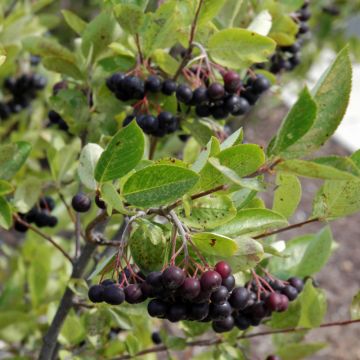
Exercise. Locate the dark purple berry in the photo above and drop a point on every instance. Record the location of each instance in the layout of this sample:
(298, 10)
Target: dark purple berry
(220, 295)
(284, 303)
(242, 322)
(304, 14)
(107, 282)
(233, 104)
(184, 93)
(219, 112)
(297, 283)
(133, 294)
(274, 302)
(113, 294)
(47, 203)
(128, 120)
(204, 296)
(216, 91)
(200, 95)
(148, 123)
(153, 84)
(294, 48)
(220, 311)
(177, 312)
(134, 87)
(156, 339)
(168, 87)
(20, 227)
(99, 202)
(96, 293)
(157, 308)
(190, 289)
(229, 282)
(52, 221)
(203, 110)
(173, 277)
(260, 84)
(114, 81)
(223, 268)
(224, 325)
(81, 203)
(232, 82)
(155, 279)
(257, 310)
(250, 96)
(210, 280)
(303, 28)
(199, 311)
(239, 298)
(290, 292)
(168, 122)
(242, 107)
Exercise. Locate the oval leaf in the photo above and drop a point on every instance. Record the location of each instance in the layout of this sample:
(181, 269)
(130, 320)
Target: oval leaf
(215, 244)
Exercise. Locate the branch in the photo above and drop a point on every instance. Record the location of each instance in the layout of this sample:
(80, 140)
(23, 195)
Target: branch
(191, 39)
(290, 227)
(137, 41)
(216, 341)
(43, 235)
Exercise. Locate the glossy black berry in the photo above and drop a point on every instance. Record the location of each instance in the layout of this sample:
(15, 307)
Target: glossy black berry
(200, 95)
(5, 111)
(229, 282)
(250, 96)
(260, 84)
(39, 82)
(184, 93)
(113, 294)
(156, 338)
(47, 203)
(294, 48)
(199, 311)
(157, 308)
(99, 202)
(220, 295)
(133, 294)
(242, 107)
(304, 14)
(220, 311)
(303, 28)
(219, 112)
(295, 60)
(148, 123)
(242, 322)
(20, 227)
(239, 298)
(81, 202)
(169, 87)
(233, 104)
(224, 325)
(190, 289)
(290, 292)
(96, 293)
(204, 296)
(155, 279)
(173, 277)
(203, 110)
(107, 282)
(210, 280)
(297, 283)
(153, 84)
(177, 312)
(52, 221)
(114, 81)
(134, 87)
(216, 91)
(167, 122)
(223, 268)
(232, 82)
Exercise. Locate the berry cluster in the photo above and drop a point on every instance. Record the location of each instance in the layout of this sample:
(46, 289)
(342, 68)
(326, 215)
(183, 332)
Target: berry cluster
(288, 57)
(40, 215)
(82, 203)
(216, 99)
(210, 297)
(22, 90)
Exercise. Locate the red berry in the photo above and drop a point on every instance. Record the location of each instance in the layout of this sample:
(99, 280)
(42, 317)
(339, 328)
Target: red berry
(210, 280)
(284, 303)
(223, 268)
(232, 81)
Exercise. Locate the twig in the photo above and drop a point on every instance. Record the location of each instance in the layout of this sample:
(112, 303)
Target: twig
(137, 41)
(77, 230)
(216, 341)
(43, 235)
(183, 235)
(70, 212)
(153, 144)
(290, 227)
(191, 39)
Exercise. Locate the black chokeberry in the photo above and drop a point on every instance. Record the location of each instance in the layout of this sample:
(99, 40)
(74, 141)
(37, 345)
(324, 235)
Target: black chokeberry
(114, 81)
(155, 279)
(294, 48)
(220, 311)
(232, 82)
(113, 294)
(199, 95)
(219, 112)
(52, 221)
(290, 292)
(233, 104)
(250, 96)
(216, 91)
(148, 123)
(304, 14)
(173, 277)
(260, 84)
(239, 298)
(128, 120)
(242, 107)
(297, 283)
(274, 301)
(229, 282)
(20, 227)
(190, 289)
(210, 280)
(167, 122)
(96, 293)
(220, 295)
(47, 203)
(284, 303)
(81, 203)
(156, 338)
(303, 28)
(99, 202)
(184, 93)
(169, 87)
(223, 325)
(176, 312)
(241, 321)
(199, 311)
(157, 308)
(203, 110)
(153, 84)
(223, 268)
(133, 294)
(134, 87)
(107, 282)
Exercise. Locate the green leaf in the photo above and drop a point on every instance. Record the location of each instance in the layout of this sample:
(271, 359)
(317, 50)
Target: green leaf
(97, 35)
(112, 198)
(74, 21)
(89, 157)
(5, 187)
(299, 351)
(46, 47)
(62, 66)
(130, 17)
(337, 199)
(287, 194)
(332, 97)
(199, 129)
(252, 220)
(284, 29)
(236, 138)
(12, 158)
(27, 194)
(2, 55)
(72, 331)
(290, 318)
(313, 306)
(355, 307)
(209, 10)
(344, 170)
(215, 244)
(122, 154)
(158, 185)
(165, 61)
(304, 255)
(209, 212)
(296, 124)
(239, 48)
(5, 214)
